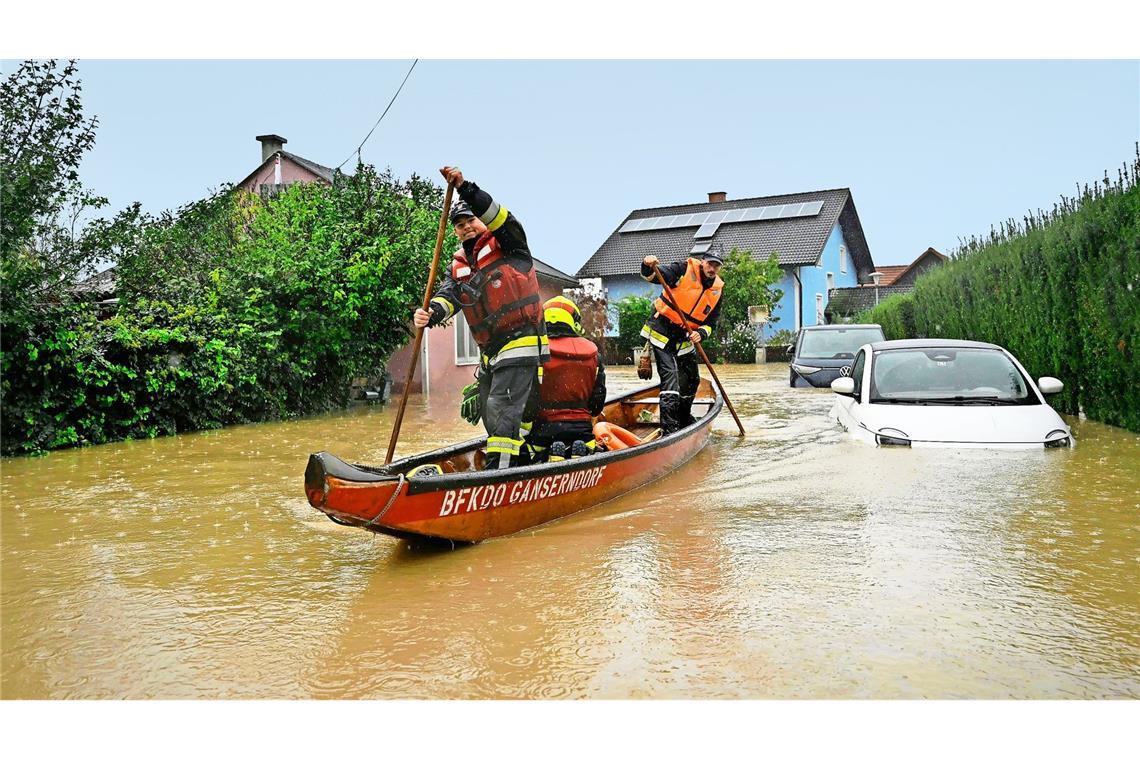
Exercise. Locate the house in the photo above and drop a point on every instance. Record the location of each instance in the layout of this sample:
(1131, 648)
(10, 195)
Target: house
(816, 236)
(845, 303)
(449, 355)
(279, 168)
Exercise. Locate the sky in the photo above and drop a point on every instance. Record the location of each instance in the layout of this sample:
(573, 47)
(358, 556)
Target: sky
(933, 151)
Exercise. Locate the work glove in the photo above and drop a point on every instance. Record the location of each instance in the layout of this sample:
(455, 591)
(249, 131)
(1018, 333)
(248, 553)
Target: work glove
(469, 408)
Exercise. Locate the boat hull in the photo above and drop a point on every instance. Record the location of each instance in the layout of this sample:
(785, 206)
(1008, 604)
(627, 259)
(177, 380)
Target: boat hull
(473, 505)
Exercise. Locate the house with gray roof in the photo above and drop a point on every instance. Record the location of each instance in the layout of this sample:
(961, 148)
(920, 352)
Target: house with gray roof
(816, 236)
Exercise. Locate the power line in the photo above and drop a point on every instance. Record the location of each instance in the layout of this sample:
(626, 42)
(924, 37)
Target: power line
(390, 102)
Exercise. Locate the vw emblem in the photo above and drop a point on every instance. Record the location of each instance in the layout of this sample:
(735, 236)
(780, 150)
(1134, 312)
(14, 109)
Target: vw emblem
(844, 371)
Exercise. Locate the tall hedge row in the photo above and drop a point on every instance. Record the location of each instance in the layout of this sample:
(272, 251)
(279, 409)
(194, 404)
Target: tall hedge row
(1061, 290)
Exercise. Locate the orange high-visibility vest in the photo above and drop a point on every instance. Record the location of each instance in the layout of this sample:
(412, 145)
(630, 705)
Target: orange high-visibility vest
(693, 298)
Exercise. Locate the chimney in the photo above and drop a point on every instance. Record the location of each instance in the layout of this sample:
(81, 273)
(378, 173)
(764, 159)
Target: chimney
(270, 144)
(718, 197)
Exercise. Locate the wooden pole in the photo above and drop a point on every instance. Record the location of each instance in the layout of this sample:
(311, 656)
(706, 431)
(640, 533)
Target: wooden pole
(668, 293)
(420, 330)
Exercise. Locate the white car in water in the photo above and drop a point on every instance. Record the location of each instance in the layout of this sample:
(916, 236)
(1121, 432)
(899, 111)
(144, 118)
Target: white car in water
(956, 393)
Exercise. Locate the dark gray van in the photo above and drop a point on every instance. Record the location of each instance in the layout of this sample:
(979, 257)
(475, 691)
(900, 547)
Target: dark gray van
(825, 352)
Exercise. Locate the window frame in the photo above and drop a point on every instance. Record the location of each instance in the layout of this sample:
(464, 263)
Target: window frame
(462, 336)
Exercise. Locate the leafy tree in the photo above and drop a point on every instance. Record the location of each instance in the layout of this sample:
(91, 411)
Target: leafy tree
(43, 138)
(593, 307)
(43, 333)
(747, 282)
(632, 312)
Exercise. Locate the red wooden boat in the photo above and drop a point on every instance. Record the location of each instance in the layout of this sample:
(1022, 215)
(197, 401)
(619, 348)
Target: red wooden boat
(468, 504)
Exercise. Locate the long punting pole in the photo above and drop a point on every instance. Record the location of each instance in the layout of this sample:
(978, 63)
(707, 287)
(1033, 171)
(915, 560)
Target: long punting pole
(704, 357)
(419, 330)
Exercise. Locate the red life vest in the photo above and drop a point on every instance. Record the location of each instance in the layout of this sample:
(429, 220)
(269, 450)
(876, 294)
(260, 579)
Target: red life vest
(568, 380)
(692, 297)
(498, 299)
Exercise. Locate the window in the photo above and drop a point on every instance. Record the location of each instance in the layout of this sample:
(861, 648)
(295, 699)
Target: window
(857, 373)
(843, 259)
(466, 349)
(819, 308)
(830, 281)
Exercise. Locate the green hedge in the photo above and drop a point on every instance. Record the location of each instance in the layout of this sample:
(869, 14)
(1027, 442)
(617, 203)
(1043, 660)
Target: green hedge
(1061, 290)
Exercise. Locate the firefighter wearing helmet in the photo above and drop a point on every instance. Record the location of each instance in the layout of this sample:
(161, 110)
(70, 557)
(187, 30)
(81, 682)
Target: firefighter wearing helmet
(492, 280)
(573, 388)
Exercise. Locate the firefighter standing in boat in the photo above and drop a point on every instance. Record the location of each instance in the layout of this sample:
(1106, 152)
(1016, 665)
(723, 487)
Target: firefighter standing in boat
(573, 389)
(696, 285)
(492, 279)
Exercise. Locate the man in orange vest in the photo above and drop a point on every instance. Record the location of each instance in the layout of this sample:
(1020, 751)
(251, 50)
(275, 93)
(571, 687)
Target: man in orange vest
(573, 388)
(696, 285)
(492, 280)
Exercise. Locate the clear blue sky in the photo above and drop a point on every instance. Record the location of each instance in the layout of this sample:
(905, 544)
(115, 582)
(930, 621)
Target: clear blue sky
(932, 151)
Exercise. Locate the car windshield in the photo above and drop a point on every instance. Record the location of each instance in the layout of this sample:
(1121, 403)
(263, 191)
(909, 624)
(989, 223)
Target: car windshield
(836, 344)
(957, 376)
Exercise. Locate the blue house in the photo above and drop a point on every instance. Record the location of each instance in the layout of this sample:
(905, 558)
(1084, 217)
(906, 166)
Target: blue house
(816, 235)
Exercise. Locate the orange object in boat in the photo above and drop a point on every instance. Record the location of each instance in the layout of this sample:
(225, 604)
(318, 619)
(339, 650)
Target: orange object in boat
(614, 437)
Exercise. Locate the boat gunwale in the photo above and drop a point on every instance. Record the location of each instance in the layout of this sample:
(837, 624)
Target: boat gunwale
(417, 486)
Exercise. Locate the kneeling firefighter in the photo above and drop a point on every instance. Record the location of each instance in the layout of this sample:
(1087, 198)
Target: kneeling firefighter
(492, 279)
(573, 387)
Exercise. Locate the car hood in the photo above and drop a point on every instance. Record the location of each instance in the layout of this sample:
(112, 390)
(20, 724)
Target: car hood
(824, 363)
(966, 424)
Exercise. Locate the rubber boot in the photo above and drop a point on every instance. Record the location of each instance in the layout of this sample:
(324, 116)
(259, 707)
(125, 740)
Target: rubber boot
(557, 452)
(670, 414)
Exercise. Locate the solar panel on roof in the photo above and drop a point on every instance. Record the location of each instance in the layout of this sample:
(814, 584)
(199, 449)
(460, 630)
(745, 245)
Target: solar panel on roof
(708, 221)
(701, 248)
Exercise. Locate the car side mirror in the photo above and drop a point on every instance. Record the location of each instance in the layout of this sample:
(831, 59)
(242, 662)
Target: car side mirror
(1050, 385)
(844, 386)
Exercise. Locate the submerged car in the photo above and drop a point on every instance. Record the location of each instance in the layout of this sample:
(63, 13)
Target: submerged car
(824, 352)
(946, 393)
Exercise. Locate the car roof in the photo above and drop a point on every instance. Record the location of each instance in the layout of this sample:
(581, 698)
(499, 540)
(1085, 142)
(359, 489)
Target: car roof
(811, 328)
(886, 345)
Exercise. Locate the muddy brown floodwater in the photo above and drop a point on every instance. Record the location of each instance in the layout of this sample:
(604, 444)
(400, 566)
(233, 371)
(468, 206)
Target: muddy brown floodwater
(792, 563)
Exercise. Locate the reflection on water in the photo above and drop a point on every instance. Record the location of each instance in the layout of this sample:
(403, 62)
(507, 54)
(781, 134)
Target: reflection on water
(793, 563)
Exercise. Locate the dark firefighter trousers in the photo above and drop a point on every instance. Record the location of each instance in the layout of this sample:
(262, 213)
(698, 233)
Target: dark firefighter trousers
(679, 380)
(508, 396)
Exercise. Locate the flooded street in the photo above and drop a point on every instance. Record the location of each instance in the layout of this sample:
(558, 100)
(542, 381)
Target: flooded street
(791, 564)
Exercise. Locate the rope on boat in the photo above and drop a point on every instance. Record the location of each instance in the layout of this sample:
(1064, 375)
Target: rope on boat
(391, 501)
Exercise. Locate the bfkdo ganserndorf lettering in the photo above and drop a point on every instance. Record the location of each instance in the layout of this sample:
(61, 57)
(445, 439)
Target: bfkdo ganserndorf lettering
(473, 498)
